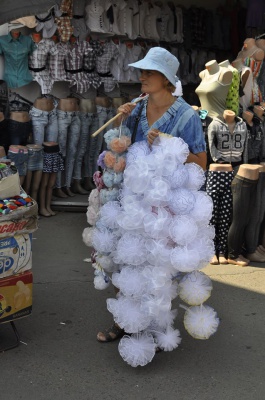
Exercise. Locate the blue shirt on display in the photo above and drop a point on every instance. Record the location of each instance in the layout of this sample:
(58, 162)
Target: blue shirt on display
(16, 52)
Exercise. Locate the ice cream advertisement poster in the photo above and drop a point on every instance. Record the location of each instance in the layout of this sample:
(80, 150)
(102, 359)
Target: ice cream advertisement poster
(15, 297)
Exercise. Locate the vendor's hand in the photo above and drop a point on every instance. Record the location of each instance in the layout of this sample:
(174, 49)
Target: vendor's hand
(126, 109)
(152, 135)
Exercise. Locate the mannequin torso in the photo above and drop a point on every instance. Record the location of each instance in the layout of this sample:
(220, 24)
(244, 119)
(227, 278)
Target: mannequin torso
(68, 104)
(249, 171)
(215, 72)
(250, 49)
(214, 87)
(19, 116)
(220, 167)
(44, 104)
(261, 44)
(103, 102)
(118, 101)
(87, 106)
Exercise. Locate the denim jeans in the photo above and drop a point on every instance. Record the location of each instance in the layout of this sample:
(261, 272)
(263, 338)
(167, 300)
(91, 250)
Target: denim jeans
(69, 132)
(19, 132)
(104, 115)
(44, 125)
(244, 195)
(256, 216)
(89, 124)
(20, 159)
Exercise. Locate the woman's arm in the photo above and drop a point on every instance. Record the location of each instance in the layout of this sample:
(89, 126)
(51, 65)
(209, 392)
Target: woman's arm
(199, 158)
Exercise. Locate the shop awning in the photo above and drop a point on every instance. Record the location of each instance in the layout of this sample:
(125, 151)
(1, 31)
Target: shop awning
(13, 9)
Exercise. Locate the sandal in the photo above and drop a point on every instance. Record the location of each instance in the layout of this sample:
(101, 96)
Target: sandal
(111, 334)
(158, 350)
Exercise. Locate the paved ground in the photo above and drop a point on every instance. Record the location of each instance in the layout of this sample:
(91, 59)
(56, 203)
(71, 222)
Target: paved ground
(61, 360)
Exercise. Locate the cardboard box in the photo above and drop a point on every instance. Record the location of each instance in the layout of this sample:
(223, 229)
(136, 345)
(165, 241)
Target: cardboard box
(22, 220)
(15, 255)
(16, 297)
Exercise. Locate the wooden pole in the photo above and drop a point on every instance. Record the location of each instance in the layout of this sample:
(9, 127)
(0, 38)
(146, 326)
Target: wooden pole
(116, 116)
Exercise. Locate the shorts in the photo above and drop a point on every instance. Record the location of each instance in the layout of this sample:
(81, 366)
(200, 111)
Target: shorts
(35, 159)
(20, 159)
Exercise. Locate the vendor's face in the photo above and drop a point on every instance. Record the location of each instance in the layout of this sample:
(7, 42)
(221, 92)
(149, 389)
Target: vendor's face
(152, 81)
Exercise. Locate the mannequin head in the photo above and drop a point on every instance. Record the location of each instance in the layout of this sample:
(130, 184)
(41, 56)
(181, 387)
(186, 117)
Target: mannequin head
(55, 38)
(250, 49)
(238, 64)
(229, 116)
(249, 43)
(261, 44)
(212, 67)
(129, 44)
(258, 110)
(225, 64)
(73, 39)
(15, 33)
(247, 116)
(36, 37)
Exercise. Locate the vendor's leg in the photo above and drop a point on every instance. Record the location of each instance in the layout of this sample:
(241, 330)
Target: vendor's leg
(113, 333)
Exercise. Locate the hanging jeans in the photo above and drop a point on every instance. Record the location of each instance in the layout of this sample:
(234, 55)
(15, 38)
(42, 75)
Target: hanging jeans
(244, 196)
(256, 216)
(86, 145)
(218, 186)
(68, 138)
(44, 125)
(104, 115)
(18, 132)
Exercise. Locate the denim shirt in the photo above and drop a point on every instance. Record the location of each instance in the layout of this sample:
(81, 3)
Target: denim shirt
(180, 120)
(16, 52)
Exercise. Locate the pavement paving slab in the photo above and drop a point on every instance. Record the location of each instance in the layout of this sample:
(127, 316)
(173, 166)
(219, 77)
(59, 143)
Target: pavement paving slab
(59, 358)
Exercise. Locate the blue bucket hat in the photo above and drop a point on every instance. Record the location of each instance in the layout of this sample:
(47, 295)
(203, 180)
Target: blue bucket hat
(159, 59)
